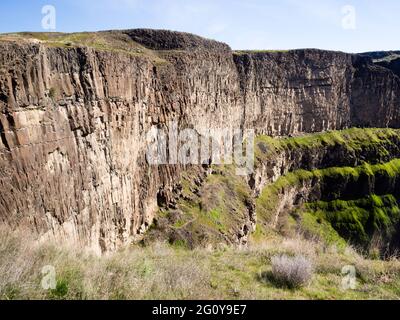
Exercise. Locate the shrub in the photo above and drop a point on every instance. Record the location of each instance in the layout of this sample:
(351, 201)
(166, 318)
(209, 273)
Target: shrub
(52, 92)
(291, 272)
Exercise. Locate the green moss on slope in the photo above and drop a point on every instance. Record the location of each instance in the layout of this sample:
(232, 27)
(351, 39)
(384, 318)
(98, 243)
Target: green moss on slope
(352, 139)
(359, 220)
(213, 210)
(314, 226)
(268, 200)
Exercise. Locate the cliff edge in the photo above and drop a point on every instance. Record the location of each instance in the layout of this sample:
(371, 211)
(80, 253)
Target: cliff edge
(75, 110)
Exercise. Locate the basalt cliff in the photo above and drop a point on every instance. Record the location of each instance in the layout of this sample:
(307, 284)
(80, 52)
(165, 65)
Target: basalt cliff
(75, 110)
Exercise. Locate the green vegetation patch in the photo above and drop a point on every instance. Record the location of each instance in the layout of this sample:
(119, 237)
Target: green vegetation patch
(217, 207)
(352, 139)
(358, 221)
(315, 226)
(267, 202)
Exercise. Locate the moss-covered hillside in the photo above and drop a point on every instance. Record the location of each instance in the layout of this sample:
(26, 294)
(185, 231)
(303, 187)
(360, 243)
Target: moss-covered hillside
(339, 187)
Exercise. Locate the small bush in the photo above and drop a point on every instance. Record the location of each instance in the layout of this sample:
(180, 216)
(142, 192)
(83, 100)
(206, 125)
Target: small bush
(291, 272)
(61, 290)
(52, 92)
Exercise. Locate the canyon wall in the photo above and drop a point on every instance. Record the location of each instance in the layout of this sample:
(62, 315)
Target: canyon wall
(73, 121)
(287, 93)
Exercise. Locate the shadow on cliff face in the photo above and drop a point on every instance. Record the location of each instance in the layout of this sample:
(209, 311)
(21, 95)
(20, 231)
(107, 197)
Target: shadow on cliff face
(212, 207)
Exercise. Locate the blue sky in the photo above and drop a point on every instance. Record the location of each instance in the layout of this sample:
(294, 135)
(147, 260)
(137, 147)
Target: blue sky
(243, 24)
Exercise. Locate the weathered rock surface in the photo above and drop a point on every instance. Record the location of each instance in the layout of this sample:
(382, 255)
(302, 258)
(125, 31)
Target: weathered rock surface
(73, 121)
(271, 166)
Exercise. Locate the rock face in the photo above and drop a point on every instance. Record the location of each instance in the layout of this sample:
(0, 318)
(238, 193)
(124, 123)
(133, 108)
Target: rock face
(298, 91)
(375, 91)
(270, 168)
(73, 120)
(311, 90)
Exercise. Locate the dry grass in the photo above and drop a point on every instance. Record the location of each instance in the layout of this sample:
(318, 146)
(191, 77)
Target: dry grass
(164, 272)
(156, 272)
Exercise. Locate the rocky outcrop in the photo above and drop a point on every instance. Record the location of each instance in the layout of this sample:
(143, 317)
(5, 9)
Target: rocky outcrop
(297, 91)
(287, 93)
(392, 64)
(68, 118)
(74, 120)
(168, 40)
(272, 164)
(375, 91)
(213, 206)
(334, 189)
(73, 128)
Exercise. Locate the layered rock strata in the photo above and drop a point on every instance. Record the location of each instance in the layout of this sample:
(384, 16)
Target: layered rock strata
(74, 119)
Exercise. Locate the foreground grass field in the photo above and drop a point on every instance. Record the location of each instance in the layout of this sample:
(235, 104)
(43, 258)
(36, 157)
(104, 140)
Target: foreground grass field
(165, 272)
